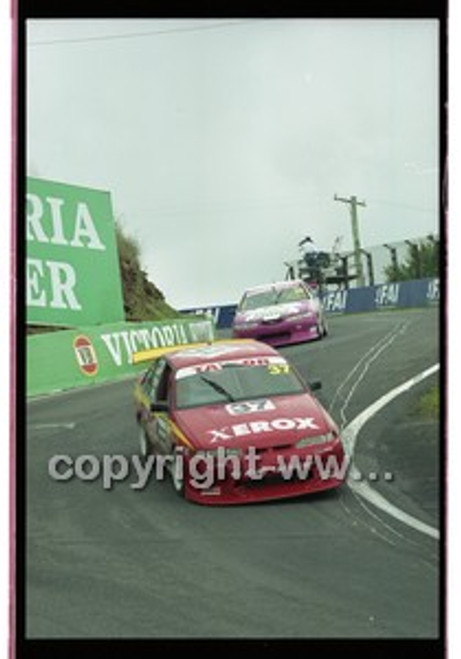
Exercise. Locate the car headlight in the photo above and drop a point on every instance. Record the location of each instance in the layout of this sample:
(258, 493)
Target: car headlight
(316, 439)
(220, 452)
(244, 326)
(303, 316)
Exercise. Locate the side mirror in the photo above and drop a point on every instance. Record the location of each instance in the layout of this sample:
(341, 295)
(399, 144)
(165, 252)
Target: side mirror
(159, 406)
(315, 385)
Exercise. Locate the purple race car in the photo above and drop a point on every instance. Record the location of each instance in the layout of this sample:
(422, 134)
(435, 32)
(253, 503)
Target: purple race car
(281, 313)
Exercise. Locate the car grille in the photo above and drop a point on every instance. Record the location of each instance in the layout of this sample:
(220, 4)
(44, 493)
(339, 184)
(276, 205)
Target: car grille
(276, 336)
(272, 479)
(271, 321)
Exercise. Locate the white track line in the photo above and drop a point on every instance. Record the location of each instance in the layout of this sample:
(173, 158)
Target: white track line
(359, 362)
(367, 365)
(362, 488)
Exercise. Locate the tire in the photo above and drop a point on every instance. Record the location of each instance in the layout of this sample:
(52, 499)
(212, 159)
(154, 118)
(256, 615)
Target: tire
(324, 327)
(177, 474)
(144, 451)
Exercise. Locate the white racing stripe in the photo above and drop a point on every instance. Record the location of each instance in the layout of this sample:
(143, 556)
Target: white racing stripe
(363, 489)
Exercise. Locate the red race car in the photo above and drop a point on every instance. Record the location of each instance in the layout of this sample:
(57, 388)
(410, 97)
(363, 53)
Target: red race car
(233, 422)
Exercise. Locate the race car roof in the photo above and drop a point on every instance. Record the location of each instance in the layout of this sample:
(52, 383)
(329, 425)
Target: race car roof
(287, 283)
(200, 353)
(218, 351)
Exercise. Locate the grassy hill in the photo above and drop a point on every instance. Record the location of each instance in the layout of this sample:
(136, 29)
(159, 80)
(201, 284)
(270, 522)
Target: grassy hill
(142, 300)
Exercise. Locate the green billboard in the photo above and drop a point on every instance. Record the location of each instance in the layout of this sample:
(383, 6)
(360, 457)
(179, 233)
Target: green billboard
(72, 268)
(81, 357)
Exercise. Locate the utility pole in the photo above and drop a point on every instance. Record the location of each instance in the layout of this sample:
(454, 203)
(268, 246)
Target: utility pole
(353, 203)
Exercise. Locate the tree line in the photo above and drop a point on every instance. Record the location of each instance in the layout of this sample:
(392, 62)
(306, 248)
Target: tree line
(421, 260)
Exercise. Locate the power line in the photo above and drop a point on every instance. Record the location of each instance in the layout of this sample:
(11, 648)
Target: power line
(135, 35)
(409, 206)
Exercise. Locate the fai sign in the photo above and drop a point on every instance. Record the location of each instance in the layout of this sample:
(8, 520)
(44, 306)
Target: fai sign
(72, 269)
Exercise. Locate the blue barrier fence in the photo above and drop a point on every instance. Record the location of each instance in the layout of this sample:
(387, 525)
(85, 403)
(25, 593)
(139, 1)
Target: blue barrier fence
(404, 294)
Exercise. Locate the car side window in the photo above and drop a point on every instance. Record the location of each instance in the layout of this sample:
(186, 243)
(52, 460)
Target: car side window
(152, 380)
(161, 390)
(308, 293)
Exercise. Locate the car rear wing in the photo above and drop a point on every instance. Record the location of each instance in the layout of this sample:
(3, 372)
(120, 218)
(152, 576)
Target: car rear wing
(154, 353)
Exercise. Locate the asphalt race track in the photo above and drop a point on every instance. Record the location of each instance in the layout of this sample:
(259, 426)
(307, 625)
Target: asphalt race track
(126, 563)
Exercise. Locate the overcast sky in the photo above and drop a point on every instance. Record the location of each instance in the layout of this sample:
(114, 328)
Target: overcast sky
(223, 142)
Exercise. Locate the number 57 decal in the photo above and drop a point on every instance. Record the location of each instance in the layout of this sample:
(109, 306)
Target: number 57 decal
(278, 369)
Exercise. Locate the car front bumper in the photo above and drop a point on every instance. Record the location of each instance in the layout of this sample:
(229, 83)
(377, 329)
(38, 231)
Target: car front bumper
(273, 484)
(280, 332)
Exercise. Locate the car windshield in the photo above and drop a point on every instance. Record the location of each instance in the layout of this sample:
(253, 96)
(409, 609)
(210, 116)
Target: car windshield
(272, 296)
(235, 382)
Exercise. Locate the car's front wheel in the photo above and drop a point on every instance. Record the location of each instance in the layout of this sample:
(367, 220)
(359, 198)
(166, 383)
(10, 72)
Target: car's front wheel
(178, 472)
(143, 444)
(324, 327)
(320, 330)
